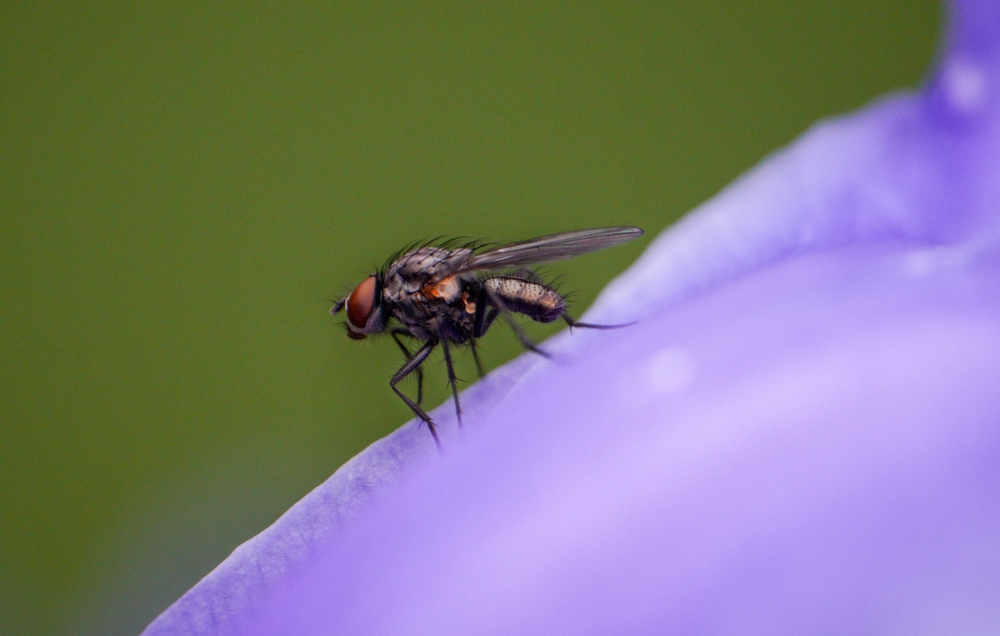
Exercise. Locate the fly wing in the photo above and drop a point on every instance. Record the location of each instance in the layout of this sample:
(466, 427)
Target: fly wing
(551, 248)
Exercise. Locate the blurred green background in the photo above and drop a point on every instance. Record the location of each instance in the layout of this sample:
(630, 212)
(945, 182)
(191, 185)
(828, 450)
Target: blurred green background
(183, 187)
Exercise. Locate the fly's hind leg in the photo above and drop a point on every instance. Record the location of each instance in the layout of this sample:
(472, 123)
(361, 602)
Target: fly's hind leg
(482, 319)
(395, 333)
(498, 307)
(586, 325)
(408, 368)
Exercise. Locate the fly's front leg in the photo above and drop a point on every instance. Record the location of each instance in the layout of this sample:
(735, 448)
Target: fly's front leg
(451, 379)
(395, 333)
(414, 363)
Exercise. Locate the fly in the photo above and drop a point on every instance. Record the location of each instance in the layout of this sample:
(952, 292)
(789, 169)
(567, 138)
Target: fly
(449, 296)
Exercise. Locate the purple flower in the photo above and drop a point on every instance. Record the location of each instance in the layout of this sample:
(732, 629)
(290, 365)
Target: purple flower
(801, 434)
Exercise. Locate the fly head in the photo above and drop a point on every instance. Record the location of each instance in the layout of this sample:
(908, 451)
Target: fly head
(365, 310)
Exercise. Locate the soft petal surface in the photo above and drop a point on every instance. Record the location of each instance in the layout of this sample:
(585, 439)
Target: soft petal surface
(800, 435)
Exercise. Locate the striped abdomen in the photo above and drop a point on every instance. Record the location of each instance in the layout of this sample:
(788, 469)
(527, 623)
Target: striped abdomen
(535, 300)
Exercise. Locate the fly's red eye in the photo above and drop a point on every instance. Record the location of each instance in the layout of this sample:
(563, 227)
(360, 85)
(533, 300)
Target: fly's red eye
(360, 303)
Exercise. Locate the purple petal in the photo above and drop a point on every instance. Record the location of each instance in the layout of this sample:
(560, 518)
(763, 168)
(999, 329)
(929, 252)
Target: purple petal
(799, 436)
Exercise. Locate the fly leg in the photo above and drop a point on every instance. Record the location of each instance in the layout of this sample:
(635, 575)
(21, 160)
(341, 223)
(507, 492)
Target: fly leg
(475, 356)
(395, 333)
(499, 306)
(407, 369)
(482, 319)
(586, 325)
(451, 379)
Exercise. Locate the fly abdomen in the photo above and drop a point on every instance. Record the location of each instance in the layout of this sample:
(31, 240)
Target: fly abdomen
(535, 300)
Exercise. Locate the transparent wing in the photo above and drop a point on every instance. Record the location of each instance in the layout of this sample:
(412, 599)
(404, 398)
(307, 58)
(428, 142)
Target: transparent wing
(547, 249)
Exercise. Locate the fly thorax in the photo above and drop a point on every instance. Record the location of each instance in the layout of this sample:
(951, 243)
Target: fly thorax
(411, 273)
(446, 289)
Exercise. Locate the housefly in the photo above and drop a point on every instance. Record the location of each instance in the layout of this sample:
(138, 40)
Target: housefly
(449, 295)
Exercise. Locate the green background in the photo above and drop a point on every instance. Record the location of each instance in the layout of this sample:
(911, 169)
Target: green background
(183, 187)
